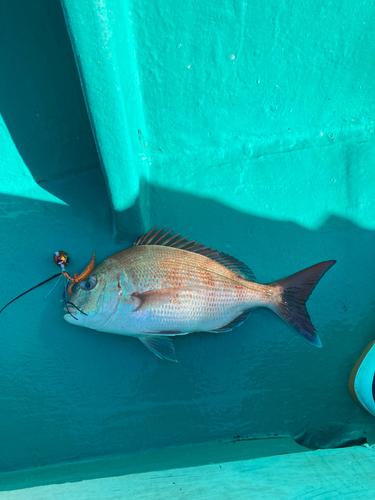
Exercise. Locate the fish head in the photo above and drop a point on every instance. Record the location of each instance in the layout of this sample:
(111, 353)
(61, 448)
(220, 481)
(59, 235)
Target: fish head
(97, 298)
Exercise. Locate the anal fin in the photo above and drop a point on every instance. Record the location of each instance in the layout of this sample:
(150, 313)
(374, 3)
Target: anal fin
(236, 322)
(161, 345)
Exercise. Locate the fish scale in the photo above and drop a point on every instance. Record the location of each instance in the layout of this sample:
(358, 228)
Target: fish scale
(220, 289)
(156, 290)
(171, 267)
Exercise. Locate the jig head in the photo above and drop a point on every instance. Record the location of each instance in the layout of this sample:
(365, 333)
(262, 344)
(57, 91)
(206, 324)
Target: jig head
(61, 259)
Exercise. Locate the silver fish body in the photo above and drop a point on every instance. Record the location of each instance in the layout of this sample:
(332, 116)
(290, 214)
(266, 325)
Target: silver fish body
(164, 287)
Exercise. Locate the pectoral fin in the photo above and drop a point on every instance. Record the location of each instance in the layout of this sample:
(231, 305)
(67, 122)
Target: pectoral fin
(155, 298)
(160, 345)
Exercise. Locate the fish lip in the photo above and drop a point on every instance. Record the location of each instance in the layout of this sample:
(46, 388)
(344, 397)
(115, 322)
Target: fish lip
(73, 311)
(69, 318)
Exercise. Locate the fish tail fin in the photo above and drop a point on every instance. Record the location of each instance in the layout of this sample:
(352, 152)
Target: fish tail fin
(290, 301)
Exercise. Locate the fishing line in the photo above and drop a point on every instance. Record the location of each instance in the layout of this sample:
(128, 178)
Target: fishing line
(61, 259)
(33, 288)
(54, 286)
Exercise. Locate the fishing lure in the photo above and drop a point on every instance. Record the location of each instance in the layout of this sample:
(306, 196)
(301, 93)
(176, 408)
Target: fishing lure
(77, 278)
(61, 259)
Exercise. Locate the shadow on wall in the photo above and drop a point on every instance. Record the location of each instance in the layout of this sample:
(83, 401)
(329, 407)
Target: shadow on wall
(41, 99)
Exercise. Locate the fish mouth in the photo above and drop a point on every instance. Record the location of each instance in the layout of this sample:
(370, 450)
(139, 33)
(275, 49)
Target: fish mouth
(74, 318)
(73, 310)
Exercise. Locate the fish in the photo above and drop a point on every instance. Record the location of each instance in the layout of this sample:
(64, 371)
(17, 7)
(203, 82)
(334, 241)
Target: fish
(165, 286)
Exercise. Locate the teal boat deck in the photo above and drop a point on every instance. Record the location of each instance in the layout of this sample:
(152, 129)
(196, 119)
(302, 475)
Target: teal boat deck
(248, 126)
(325, 474)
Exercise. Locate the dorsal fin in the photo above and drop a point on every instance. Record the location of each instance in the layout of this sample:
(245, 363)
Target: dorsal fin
(158, 237)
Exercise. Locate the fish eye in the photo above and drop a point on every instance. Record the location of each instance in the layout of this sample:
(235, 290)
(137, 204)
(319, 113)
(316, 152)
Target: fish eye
(89, 284)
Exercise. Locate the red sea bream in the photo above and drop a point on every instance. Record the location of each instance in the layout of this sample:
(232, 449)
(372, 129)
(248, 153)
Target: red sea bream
(165, 286)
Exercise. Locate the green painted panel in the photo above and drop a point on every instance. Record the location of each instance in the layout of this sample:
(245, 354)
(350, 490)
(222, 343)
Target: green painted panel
(264, 108)
(244, 125)
(103, 42)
